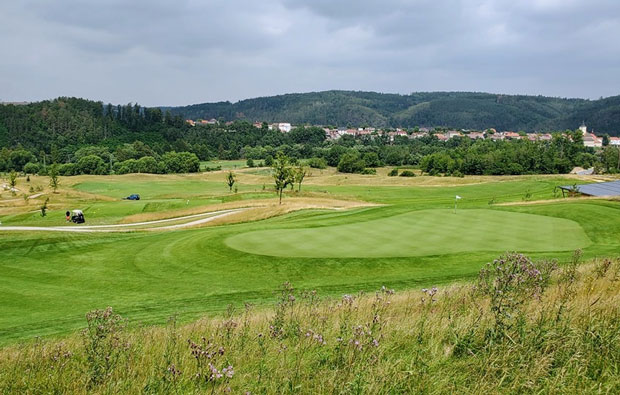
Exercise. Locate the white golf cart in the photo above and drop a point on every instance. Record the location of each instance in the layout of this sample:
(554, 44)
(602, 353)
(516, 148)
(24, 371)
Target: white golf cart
(77, 217)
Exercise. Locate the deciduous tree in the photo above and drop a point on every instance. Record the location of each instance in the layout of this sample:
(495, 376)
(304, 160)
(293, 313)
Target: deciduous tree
(12, 180)
(230, 180)
(300, 174)
(53, 175)
(282, 173)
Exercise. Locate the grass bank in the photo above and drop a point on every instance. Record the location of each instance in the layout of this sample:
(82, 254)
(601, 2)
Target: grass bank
(522, 327)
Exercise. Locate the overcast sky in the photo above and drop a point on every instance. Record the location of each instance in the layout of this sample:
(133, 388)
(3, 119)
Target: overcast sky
(181, 52)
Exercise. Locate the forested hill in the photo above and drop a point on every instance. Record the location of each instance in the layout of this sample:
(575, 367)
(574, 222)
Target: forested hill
(462, 110)
(87, 137)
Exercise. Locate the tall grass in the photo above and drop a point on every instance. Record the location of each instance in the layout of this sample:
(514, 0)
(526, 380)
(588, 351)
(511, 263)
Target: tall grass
(523, 327)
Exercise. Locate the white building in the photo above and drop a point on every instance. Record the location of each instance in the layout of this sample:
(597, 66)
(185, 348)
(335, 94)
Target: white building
(590, 139)
(285, 127)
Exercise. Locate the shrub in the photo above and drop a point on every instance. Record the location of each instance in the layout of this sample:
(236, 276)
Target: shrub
(31, 168)
(369, 171)
(91, 164)
(146, 164)
(351, 163)
(250, 162)
(371, 159)
(126, 167)
(67, 169)
(317, 163)
(180, 162)
(407, 173)
(393, 173)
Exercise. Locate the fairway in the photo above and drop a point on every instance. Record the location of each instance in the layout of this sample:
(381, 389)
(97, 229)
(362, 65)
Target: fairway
(417, 233)
(408, 238)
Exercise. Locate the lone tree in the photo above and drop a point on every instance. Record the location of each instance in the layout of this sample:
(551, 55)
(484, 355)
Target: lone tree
(230, 180)
(44, 207)
(53, 174)
(282, 173)
(300, 174)
(12, 180)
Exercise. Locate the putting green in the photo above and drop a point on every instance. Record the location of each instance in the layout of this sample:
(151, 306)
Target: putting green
(424, 232)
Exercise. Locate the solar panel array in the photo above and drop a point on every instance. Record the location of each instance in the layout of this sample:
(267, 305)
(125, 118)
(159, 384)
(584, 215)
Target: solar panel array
(611, 188)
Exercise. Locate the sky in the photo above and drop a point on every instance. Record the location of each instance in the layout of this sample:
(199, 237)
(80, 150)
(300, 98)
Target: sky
(182, 52)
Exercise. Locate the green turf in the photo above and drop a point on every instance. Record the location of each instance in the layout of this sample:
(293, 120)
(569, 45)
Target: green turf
(422, 232)
(156, 196)
(48, 281)
(158, 189)
(224, 164)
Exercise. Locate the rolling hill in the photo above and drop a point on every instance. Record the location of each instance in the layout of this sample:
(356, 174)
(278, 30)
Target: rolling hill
(467, 110)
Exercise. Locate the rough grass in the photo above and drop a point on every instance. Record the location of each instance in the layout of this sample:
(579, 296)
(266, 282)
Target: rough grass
(564, 339)
(422, 232)
(257, 209)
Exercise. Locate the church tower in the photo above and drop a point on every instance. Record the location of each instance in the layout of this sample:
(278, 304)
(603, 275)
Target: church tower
(583, 128)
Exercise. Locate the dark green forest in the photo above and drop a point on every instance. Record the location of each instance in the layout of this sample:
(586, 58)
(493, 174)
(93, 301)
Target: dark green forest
(459, 110)
(87, 137)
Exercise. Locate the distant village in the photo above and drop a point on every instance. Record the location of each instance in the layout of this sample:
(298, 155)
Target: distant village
(589, 138)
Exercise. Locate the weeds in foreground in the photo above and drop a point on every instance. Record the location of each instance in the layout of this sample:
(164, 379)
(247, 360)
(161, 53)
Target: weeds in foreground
(524, 326)
(104, 343)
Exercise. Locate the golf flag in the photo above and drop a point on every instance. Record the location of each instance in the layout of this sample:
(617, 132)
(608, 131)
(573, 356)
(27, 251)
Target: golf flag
(458, 197)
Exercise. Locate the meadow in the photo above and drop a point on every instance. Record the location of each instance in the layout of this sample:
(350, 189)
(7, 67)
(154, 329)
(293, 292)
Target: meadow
(522, 326)
(390, 231)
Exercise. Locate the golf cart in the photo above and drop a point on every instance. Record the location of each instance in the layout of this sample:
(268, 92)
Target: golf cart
(135, 196)
(77, 217)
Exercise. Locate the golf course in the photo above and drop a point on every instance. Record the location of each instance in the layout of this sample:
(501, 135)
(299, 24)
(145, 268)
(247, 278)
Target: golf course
(339, 234)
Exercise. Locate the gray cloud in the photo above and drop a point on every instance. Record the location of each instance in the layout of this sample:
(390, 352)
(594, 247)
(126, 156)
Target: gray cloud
(187, 51)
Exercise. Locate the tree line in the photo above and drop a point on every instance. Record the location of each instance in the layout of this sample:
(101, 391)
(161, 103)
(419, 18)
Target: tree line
(85, 137)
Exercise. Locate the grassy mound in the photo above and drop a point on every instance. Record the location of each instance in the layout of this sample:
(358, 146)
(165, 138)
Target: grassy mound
(553, 331)
(417, 233)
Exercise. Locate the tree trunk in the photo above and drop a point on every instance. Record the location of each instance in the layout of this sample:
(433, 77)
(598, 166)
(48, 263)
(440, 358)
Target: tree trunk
(281, 189)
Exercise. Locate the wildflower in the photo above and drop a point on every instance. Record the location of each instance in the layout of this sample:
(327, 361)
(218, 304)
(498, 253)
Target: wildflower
(172, 369)
(228, 371)
(347, 299)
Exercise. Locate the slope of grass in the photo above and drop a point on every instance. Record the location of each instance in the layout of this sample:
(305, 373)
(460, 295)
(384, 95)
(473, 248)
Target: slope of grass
(561, 337)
